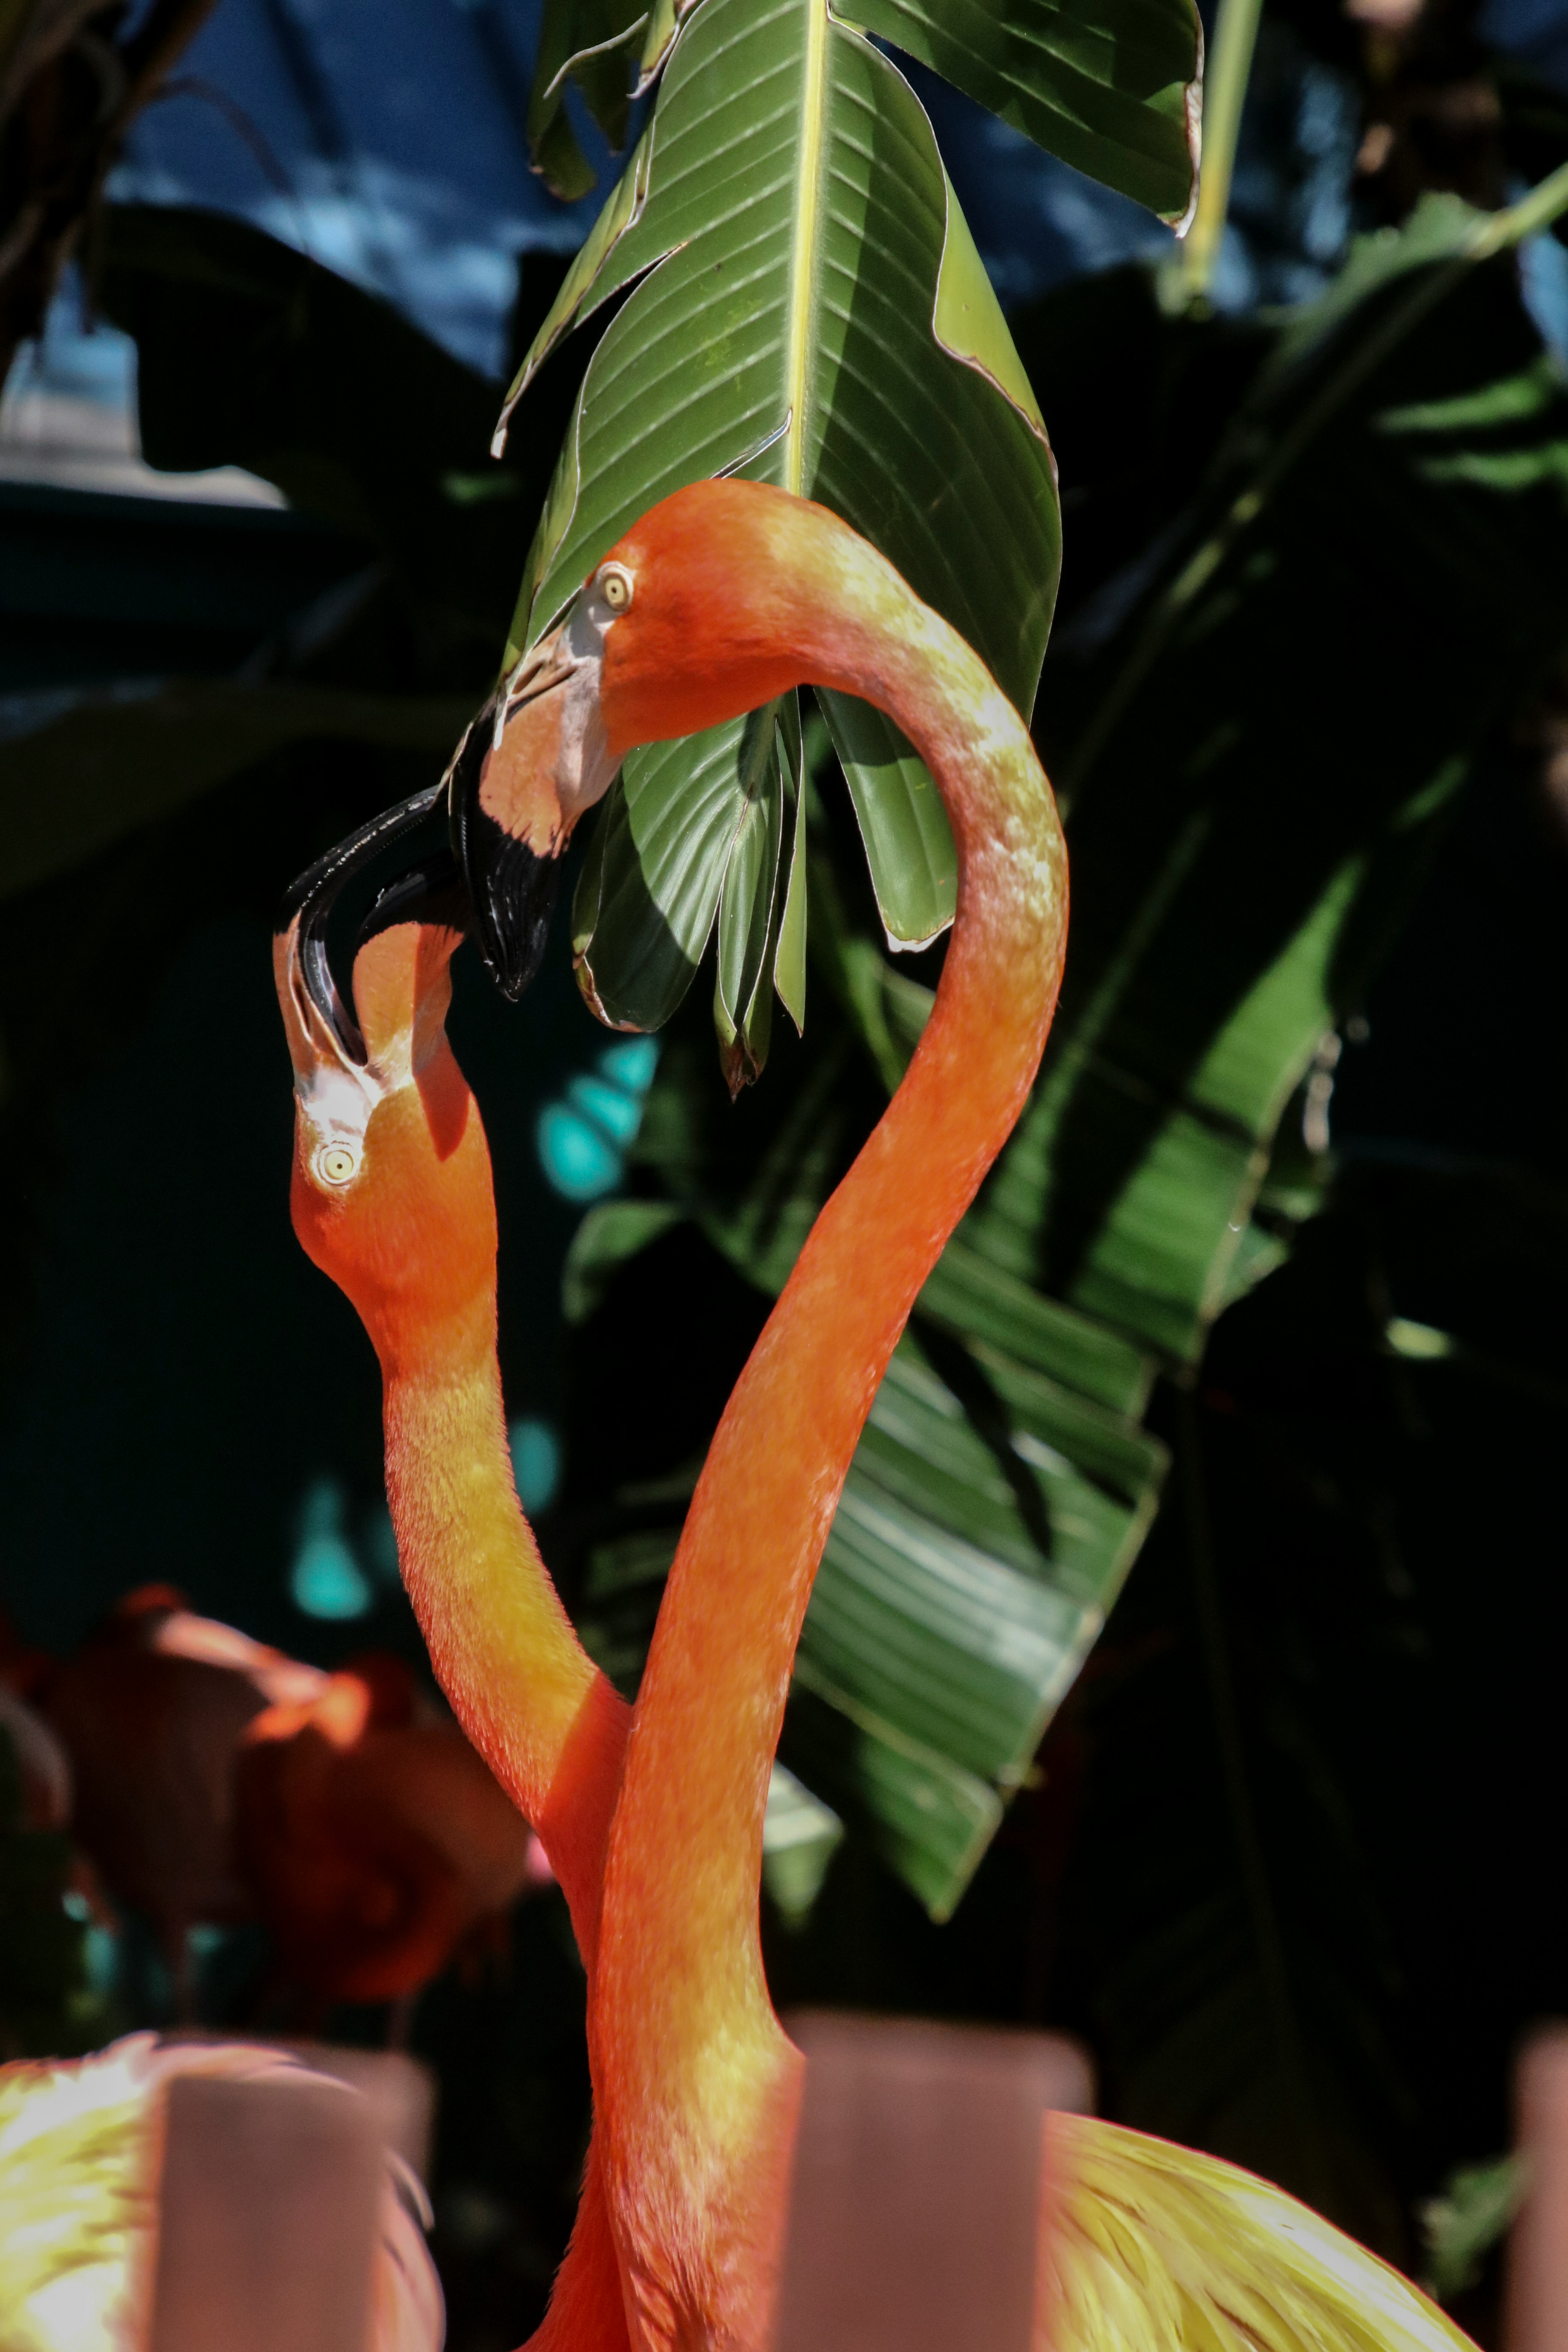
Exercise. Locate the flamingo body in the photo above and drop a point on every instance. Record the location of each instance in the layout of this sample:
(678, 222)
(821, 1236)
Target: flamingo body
(721, 598)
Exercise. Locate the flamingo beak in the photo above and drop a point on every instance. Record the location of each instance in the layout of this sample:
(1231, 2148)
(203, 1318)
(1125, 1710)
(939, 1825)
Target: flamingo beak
(531, 762)
(338, 1076)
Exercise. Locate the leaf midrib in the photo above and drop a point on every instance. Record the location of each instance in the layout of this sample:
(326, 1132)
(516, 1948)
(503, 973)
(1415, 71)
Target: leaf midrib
(810, 155)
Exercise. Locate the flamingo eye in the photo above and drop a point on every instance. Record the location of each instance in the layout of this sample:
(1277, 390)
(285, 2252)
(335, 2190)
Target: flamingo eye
(336, 1164)
(616, 587)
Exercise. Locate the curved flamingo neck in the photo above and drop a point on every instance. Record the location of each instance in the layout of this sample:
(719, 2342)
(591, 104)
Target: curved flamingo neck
(414, 1250)
(552, 1729)
(698, 2087)
(543, 1717)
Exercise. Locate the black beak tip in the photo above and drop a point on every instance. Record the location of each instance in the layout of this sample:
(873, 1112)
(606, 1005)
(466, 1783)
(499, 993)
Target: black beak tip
(511, 888)
(513, 893)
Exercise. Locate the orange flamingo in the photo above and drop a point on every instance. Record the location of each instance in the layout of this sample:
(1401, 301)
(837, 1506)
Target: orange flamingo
(722, 597)
(392, 1196)
(374, 1839)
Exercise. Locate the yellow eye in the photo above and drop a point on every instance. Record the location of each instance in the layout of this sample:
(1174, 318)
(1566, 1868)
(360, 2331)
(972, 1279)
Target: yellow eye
(336, 1164)
(616, 587)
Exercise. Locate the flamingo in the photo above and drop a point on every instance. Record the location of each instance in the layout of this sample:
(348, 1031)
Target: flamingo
(721, 598)
(392, 1196)
(375, 1840)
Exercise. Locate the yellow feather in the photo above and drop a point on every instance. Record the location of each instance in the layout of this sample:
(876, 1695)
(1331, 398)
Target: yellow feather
(80, 2159)
(77, 2183)
(1147, 2247)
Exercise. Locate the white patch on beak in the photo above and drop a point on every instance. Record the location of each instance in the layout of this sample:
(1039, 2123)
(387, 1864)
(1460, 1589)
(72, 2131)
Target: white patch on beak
(568, 662)
(335, 1093)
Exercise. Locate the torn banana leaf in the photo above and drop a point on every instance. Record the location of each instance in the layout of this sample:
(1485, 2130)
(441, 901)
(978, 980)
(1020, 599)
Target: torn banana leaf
(1114, 87)
(807, 308)
(591, 43)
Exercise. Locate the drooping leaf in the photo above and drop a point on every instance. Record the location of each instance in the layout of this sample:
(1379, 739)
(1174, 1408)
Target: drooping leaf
(591, 43)
(1113, 87)
(751, 904)
(801, 250)
(665, 20)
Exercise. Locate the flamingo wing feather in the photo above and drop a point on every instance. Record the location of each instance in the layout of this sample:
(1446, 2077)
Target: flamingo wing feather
(1144, 2243)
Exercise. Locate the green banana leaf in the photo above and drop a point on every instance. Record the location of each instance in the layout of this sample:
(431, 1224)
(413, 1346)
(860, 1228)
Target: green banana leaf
(1114, 87)
(806, 307)
(591, 43)
(1263, 740)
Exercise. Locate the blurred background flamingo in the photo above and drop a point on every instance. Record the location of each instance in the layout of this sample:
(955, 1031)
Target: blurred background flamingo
(150, 1709)
(376, 1841)
(208, 1780)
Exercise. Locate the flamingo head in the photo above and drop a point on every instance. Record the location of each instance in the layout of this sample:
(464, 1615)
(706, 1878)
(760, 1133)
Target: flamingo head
(528, 767)
(720, 597)
(392, 1193)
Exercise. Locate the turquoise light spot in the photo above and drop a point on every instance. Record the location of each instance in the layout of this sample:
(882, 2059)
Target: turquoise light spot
(579, 1160)
(102, 1957)
(326, 1580)
(632, 1064)
(535, 1463)
(609, 1106)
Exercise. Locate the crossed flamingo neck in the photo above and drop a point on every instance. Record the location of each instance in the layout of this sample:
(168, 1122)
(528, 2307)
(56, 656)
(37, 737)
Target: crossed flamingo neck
(657, 1840)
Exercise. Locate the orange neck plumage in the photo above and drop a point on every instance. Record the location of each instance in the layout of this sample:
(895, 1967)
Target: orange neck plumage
(412, 1240)
(697, 2086)
(726, 595)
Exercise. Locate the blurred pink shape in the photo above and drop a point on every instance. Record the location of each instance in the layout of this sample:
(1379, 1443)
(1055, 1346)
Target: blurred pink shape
(205, 2196)
(400, 2091)
(1536, 2303)
(915, 2210)
(268, 2219)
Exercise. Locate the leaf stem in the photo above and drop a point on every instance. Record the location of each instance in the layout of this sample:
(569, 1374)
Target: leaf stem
(1536, 210)
(1224, 90)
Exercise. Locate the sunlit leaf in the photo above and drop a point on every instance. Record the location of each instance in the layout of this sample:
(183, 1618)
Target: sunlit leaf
(810, 310)
(591, 43)
(1112, 86)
